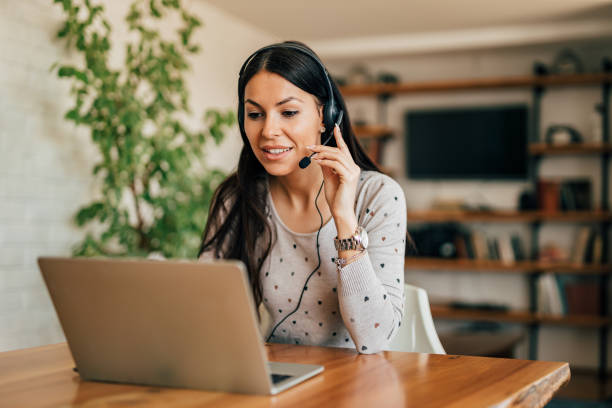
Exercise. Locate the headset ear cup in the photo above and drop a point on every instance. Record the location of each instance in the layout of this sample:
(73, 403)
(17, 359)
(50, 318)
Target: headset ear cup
(330, 115)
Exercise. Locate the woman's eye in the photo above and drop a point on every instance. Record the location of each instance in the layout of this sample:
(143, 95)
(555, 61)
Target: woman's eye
(290, 113)
(254, 115)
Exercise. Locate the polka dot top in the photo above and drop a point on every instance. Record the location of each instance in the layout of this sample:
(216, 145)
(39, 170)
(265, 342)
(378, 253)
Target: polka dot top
(362, 305)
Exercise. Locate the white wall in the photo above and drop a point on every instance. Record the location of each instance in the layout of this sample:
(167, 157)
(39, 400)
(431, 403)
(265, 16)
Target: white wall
(571, 105)
(45, 163)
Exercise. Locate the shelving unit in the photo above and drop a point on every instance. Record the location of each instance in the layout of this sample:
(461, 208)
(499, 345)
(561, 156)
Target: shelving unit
(537, 152)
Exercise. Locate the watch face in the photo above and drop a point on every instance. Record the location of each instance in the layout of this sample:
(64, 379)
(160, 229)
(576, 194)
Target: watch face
(364, 238)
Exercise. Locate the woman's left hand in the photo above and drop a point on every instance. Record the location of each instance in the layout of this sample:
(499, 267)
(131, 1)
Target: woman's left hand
(341, 176)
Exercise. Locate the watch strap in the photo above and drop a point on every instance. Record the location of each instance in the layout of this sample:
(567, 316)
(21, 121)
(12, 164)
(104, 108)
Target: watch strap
(351, 243)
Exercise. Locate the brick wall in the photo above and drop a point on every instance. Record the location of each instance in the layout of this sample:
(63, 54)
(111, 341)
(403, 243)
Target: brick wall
(45, 162)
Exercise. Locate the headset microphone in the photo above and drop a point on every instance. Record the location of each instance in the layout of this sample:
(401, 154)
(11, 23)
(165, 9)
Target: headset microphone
(305, 162)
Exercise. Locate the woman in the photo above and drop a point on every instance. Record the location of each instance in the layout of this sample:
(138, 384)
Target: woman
(307, 254)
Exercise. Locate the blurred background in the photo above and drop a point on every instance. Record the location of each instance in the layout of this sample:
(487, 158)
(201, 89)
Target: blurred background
(512, 224)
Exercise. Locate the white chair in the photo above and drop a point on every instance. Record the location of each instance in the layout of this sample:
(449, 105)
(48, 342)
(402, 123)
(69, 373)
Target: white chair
(417, 332)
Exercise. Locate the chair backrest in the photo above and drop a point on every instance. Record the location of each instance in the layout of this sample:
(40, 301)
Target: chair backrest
(417, 332)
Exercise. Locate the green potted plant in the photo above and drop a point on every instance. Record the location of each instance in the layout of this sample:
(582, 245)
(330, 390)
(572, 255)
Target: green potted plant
(155, 187)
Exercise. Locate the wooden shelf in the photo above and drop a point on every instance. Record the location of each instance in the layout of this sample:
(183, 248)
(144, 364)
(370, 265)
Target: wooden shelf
(539, 149)
(517, 316)
(447, 312)
(467, 84)
(508, 216)
(460, 264)
(373, 132)
(575, 320)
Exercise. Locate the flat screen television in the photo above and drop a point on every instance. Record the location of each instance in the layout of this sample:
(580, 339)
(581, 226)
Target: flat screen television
(467, 143)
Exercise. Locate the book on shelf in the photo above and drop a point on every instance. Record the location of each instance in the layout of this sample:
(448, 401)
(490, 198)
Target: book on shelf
(567, 195)
(550, 298)
(517, 247)
(469, 245)
(588, 247)
(492, 248)
(480, 246)
(582, 297)
(461, 246)
(506, 253)
(560, 280)
(597, 249)
(580, 246)
(565, 294)
(543, 303)
(475, 245)
(548, 195)
(497, 250)
(588, 251)
(576, 195)
(567, 198)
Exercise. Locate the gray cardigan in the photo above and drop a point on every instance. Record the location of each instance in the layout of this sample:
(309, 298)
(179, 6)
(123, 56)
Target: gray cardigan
(362, 305)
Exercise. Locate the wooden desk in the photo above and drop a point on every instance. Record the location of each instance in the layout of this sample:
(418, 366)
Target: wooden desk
(43, 377)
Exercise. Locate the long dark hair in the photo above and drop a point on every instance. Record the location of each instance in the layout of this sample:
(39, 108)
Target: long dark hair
(245, 232)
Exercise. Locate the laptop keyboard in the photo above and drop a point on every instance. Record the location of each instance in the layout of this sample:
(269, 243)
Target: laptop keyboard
(276, 378)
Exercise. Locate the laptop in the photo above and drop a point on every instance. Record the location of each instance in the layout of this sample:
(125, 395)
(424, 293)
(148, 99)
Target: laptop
(186, 324)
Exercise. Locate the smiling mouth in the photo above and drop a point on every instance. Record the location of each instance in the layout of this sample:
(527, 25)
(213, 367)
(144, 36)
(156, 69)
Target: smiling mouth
(277, 151)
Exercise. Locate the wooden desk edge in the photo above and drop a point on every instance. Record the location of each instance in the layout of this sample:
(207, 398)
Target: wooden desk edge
(542, 392)
(535, 395)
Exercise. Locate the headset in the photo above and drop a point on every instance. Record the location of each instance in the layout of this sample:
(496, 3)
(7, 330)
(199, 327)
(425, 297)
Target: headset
(332, 116)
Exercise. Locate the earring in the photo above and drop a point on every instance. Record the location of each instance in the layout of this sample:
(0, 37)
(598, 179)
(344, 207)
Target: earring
(322, 129)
